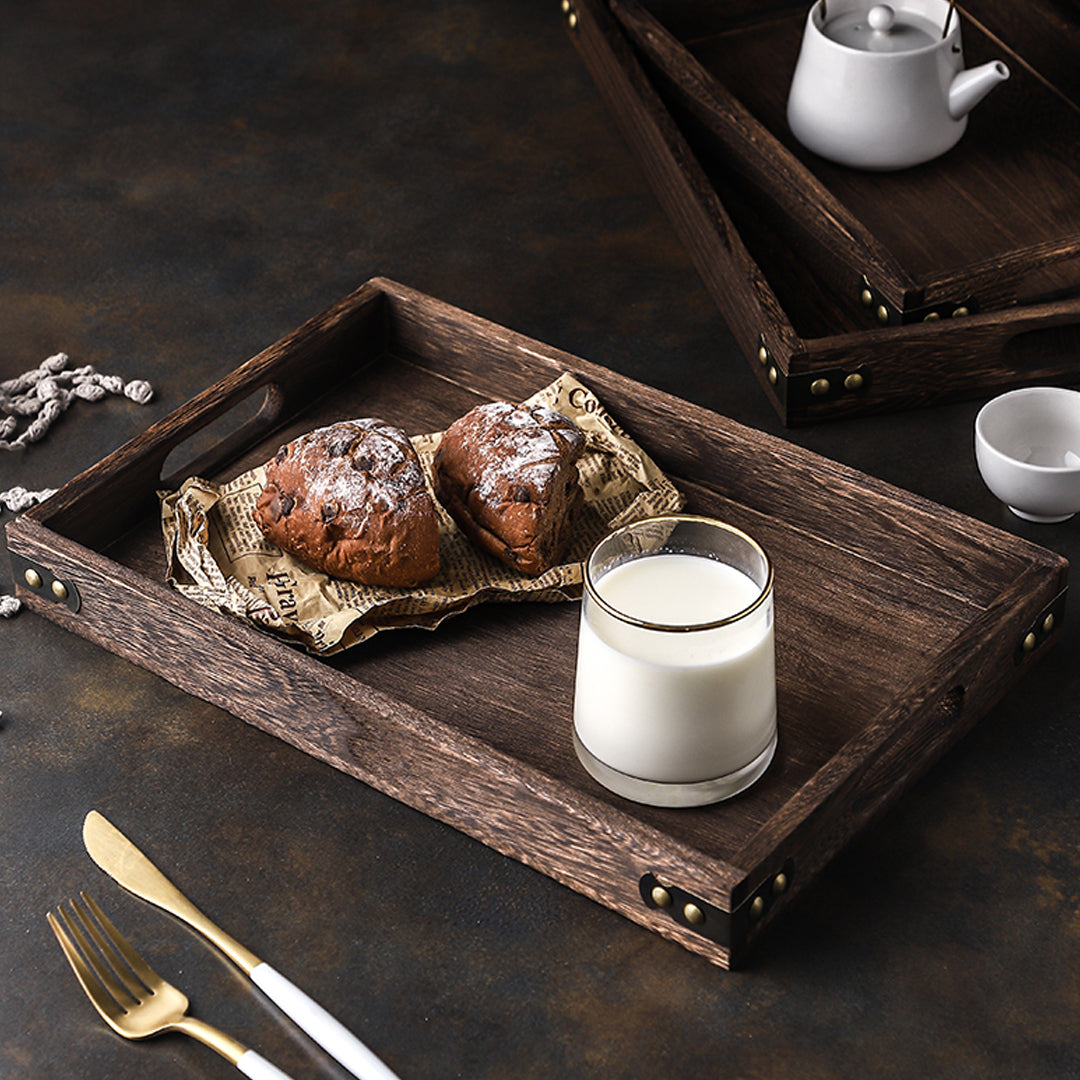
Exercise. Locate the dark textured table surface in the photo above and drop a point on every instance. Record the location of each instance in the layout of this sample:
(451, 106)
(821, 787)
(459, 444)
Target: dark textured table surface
(180, 185)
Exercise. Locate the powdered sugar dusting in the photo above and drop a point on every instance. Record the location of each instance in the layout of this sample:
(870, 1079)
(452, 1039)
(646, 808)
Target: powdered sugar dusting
(363, 465)
(526, 451)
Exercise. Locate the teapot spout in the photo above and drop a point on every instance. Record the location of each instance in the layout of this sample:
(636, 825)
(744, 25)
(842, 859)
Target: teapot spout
(971, 86)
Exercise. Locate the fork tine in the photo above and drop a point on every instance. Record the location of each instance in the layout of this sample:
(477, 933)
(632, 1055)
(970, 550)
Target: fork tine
(102, 968)
(91, 984)
(76, 961)
(117, 943)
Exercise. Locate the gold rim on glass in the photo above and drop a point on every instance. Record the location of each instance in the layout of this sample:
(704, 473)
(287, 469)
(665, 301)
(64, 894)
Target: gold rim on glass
(677, 519)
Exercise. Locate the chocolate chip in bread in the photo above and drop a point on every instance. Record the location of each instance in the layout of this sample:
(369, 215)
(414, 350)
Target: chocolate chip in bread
(507, 474)
(350, 500)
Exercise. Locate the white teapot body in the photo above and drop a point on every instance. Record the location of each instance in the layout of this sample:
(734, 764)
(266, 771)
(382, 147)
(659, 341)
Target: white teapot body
(877, 87)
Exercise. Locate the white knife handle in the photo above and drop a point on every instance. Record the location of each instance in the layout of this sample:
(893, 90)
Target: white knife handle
(258, 1068)
(332, 1035)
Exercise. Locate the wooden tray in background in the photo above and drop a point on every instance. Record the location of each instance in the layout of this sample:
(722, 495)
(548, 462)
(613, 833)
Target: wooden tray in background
(850, 291)
(996, 221)
(898, 624)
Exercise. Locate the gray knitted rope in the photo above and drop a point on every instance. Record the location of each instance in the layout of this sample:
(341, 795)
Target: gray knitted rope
(43, 395)
(18, 499)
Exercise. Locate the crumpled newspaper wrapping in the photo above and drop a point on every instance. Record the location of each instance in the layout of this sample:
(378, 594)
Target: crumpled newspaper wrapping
(217, 556)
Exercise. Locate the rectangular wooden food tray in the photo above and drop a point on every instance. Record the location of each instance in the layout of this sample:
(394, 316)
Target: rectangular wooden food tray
(898, 623)
(852, 291)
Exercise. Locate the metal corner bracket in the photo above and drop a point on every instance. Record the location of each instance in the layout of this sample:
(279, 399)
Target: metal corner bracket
(728, 929)
(819, 387)
(43, 582)
(1042, 627)
(885, 313)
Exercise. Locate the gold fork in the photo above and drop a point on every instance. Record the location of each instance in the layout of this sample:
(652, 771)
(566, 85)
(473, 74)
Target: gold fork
(132, 999)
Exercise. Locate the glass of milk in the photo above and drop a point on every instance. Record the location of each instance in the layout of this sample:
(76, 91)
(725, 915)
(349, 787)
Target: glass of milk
(675, 693)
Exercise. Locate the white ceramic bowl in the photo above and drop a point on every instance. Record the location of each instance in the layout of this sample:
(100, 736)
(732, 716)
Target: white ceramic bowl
(1027, 446)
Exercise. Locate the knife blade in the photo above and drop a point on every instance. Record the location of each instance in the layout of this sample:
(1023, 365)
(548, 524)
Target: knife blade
(129, 867)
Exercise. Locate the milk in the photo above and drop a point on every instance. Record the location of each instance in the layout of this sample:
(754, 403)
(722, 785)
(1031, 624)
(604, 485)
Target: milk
(676, 706)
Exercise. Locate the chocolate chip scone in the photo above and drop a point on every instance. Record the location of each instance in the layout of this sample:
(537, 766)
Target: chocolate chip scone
(350, 500)
(508, 476)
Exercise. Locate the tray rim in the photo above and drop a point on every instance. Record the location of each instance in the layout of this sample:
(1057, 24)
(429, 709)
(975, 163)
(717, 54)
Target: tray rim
(727, 888)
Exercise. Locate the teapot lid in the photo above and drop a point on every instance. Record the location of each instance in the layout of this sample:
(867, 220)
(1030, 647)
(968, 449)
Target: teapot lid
(881, 28)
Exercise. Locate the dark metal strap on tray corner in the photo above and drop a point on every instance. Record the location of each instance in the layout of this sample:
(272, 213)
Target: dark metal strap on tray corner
(43, 582)
(821, 387)
(885, 313)
(1042, 627)
(727, 929)
(812, 388)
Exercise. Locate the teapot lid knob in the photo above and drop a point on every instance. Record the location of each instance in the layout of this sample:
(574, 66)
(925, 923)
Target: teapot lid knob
(881, 17)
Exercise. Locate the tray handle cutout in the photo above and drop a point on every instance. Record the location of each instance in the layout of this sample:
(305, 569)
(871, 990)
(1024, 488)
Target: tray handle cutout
(1058, 346)
(226, 437)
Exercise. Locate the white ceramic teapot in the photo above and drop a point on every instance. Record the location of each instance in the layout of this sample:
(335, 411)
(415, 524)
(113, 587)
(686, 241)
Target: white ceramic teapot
(884, 87)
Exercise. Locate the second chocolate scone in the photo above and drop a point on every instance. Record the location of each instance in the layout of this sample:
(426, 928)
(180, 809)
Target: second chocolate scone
(507, 474)
(350, 500)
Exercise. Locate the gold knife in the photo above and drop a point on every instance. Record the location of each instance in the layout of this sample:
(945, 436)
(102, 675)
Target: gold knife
(127, 865)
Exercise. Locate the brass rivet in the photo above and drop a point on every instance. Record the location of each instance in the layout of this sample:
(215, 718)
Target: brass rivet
(757, 908)
(882, 313)
(763, 354)
(867, 297)
(33, 579)
(661, 897)
(59, 590)
(693, 914)
(773, 375)
(1029, 642)
(931, 316)
(854, 381)
(779, 884)
(566, 7)
(571, 19)
(960, 312)
(819, 387)
(1048, 623)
